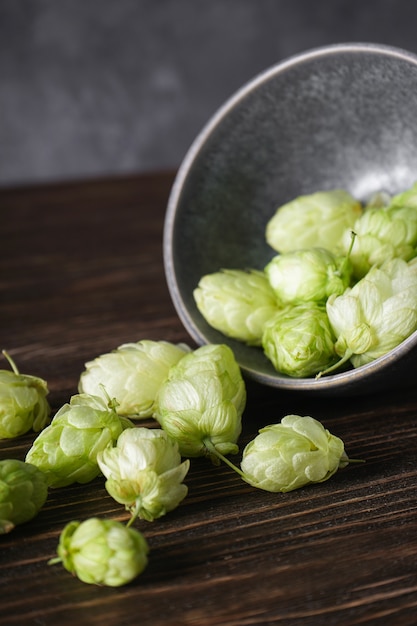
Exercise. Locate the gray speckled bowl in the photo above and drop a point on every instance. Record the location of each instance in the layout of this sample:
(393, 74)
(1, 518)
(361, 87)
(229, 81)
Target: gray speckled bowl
(342, 116)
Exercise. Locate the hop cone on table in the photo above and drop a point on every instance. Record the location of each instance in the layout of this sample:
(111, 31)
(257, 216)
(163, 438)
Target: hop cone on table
(23, 492)
(102, 552)
(132, 374)
(23, 402)
(291, 454)
(201, 403)
(144, 472)
(66, 450)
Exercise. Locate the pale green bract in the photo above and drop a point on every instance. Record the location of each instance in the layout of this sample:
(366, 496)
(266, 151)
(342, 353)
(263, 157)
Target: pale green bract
(314, 220)
(299, 340)
(294, 453)
(23, 492)
(236, 303)
(378, 200)
(377, 313)
(66, 450)
(144, 472)
(308, 275)
(382, 234)
(23, 402)
(132, 374)
(201, 403)
(405, 198)
(102, 552)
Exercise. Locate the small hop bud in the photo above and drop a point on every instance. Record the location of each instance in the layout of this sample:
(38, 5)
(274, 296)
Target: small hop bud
(314, 220)
(132, 374)
(144, 472)
(102, 552)
(201, 403)
(23, 492)
(299, 340)
(236, 303)
(66, 450)
(23, 402)
(291, 454)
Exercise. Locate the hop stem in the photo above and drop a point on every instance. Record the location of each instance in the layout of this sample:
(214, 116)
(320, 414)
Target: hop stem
(353, 236)
(213, 451)
(11, 362)
(112, 403)
(134, 511)
(133, 518)
(345, 358)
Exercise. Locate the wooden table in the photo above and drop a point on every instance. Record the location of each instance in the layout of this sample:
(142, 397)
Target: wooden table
(81, 273)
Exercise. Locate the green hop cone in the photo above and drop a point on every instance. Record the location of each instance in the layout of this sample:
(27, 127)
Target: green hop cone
(382, 234)
(237, 303)
(292, 454)
(23, 402)
(144, 472)
(102, 552)
(66, 450)
(299, 340)
(308, 275)
(314, 220)
(201, 404)
(376, 314)
(23, 492)
(132, 374)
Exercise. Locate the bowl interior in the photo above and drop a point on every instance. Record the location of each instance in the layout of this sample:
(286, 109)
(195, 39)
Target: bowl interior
(343, 116)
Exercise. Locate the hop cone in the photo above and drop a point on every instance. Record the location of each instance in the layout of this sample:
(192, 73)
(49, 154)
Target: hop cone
(132, 374)
(299, 340)
(144, 472)
(23, 492)
(308, 275)
(201, 403)
(377, 313)
(66, 450)
(382, 234)
(102, 552)
(236, 303)
(291, 454)
(314, 220)
(23, 403)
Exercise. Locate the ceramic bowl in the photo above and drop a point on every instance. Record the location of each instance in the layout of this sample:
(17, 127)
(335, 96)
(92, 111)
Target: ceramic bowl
(341, 116)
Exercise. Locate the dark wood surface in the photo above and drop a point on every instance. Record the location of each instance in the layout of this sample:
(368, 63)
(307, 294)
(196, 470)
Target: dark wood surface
(81, 273)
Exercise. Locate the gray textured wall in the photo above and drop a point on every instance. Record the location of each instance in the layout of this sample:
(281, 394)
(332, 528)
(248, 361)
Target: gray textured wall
(92, 87)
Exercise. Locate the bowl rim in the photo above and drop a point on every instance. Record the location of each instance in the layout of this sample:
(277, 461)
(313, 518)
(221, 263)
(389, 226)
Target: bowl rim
(329, 382)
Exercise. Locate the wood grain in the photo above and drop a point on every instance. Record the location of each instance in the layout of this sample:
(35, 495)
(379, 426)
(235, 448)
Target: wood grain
(81, 273)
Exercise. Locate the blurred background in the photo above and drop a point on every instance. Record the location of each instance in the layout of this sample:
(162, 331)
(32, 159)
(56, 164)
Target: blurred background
(90, 88)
